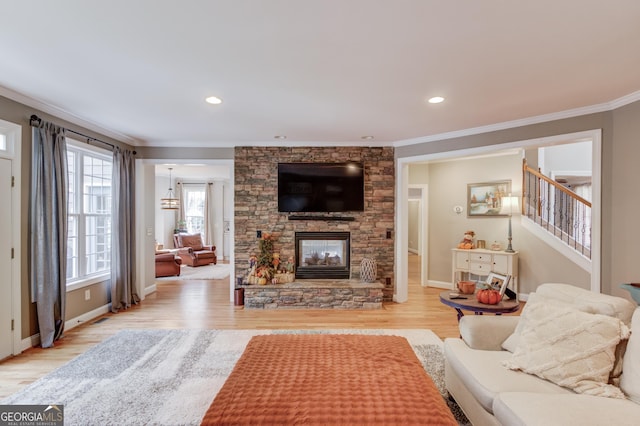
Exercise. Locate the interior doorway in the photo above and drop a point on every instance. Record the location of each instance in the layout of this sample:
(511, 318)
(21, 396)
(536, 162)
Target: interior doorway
(403, 177)
(417, 233)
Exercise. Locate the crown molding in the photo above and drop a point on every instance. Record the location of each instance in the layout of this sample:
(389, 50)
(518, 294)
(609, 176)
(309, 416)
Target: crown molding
(276, 143)
(67, 116)
(625, 100)
(593, 109)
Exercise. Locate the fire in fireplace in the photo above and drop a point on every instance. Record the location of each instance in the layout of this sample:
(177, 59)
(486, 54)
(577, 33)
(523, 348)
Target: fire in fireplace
(322, 255)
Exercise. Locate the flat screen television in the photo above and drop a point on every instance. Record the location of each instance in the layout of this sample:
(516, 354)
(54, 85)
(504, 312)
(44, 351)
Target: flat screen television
(320, 187)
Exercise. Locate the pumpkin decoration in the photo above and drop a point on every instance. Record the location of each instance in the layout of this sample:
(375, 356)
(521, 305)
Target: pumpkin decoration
(489, 296)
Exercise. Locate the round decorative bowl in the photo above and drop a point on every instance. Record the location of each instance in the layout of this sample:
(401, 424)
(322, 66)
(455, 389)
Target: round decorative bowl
(467, 287)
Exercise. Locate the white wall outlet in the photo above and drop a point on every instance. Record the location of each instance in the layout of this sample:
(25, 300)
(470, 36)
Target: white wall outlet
(87, 294)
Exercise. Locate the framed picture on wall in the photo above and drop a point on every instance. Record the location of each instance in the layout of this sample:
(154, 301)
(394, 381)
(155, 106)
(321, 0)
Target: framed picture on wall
(485, 199)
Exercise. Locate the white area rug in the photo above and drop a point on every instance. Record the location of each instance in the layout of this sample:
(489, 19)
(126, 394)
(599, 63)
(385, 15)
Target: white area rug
(169, 377)
(206, 272)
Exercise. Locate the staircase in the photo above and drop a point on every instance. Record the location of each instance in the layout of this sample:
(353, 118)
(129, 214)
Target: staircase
(557, 210)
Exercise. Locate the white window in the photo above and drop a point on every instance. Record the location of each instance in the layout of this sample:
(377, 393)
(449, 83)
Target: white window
(3, 142)
(89, 212)
(194, 209)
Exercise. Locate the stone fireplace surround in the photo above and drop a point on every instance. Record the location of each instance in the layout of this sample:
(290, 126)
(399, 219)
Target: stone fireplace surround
(256, 209)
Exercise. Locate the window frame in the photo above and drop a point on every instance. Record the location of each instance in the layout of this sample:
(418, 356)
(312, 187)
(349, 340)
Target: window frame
(82, 150)
(195, 188)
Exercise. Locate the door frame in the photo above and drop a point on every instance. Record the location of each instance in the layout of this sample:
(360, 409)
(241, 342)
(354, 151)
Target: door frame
(13, 133)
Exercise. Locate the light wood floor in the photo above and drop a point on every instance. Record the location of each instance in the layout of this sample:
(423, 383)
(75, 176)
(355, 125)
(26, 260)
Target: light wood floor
(205, 304)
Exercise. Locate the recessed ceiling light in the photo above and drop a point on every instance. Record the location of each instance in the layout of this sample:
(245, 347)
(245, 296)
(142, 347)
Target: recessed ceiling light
(214, 100)
(367, 137)
(436, 100)
(279, 137)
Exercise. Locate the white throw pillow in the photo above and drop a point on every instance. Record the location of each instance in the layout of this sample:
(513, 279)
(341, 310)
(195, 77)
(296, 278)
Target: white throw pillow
(630, 379)
(535, 299)
(570, 348)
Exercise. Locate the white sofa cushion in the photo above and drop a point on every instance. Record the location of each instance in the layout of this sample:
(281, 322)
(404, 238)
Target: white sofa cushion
(630, 379)
(583, 300)
(482, 373)
(589, 301)
(536, 409)
(569, 347)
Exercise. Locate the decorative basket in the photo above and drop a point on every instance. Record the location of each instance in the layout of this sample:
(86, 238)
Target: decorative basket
(284, 278)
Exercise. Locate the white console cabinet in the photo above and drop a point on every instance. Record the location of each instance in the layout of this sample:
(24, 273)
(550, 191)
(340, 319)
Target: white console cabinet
(481, 262)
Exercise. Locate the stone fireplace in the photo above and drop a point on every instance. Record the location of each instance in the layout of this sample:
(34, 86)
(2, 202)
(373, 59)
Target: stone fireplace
(322, 255)
(370, 232)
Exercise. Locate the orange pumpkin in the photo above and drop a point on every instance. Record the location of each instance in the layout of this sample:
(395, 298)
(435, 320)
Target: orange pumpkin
(489, 297)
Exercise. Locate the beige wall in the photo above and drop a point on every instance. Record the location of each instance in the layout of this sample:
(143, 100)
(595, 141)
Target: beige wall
(448, 188)
(621, 195)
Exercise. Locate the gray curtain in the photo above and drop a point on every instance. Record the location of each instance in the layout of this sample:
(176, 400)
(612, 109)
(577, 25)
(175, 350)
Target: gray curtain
(123, 291)
(48, 230)
(181, 192)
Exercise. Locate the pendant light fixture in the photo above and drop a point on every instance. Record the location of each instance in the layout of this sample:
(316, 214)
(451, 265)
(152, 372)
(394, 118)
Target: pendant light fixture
(170, 202)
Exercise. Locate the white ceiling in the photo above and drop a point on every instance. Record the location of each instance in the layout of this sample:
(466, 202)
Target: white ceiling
(317, 71)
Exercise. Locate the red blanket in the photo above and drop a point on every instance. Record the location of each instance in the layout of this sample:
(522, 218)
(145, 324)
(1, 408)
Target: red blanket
(328, 379)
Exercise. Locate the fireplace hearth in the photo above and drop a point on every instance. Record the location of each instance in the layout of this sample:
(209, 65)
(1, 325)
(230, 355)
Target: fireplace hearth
(322, 255)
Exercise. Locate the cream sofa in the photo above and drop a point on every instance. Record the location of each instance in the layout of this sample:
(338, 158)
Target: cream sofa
(491, 394)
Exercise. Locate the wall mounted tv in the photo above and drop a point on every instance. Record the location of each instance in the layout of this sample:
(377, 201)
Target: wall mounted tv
(320, 187)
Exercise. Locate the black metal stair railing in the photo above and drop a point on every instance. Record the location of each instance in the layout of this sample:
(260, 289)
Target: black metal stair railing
(557, 209)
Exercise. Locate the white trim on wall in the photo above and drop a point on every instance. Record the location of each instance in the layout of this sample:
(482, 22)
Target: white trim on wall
(401, 264)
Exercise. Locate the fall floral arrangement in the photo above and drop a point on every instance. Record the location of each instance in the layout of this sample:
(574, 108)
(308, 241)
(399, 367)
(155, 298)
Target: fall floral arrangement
(266, 266)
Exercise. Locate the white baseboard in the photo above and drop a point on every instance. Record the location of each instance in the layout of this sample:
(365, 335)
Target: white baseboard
(30, 342)
(74, 322)
(440, 284)
(149, 290)
(34, 340)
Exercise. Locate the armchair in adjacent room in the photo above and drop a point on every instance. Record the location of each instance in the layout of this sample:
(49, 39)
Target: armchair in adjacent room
(167, 264)
(192, 251)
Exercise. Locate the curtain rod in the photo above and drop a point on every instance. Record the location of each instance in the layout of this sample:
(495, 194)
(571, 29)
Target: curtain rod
(35, 121)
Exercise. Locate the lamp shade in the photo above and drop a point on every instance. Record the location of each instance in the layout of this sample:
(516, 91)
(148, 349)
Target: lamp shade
(509, 205)
(170, 202)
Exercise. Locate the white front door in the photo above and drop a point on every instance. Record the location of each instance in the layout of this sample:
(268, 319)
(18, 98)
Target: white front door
(6, 280)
